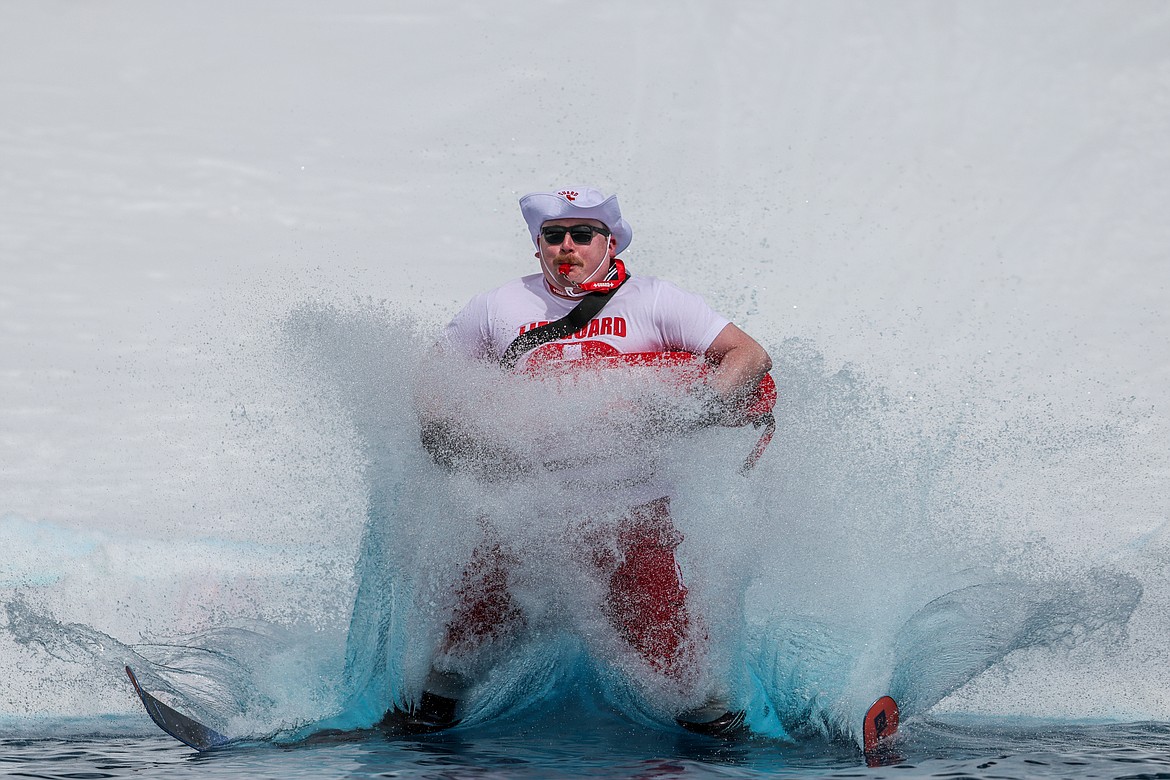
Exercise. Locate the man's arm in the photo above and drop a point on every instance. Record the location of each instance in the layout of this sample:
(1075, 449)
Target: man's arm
(740, 364)
(447, 431)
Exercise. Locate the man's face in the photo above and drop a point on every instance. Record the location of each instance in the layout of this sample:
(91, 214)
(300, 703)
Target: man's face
(573, 263)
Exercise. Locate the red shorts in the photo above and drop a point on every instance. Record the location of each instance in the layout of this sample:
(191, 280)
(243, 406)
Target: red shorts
(645, 601)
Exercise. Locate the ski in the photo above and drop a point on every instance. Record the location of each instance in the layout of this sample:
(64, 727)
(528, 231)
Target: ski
(187, 730)
(881, 723)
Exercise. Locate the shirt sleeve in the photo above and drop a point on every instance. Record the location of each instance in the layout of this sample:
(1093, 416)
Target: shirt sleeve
(465, 334)
(685, 320)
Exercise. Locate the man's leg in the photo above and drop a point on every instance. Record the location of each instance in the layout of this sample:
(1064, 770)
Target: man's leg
(647, 601)
(484, 612)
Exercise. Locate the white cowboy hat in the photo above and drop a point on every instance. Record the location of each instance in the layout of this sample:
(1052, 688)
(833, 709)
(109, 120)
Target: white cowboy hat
(575, 202)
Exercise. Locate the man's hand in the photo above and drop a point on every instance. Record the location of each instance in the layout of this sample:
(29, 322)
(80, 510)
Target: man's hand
(454, 448)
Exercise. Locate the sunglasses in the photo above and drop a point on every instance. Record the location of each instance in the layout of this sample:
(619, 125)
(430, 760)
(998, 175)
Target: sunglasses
(581, 234)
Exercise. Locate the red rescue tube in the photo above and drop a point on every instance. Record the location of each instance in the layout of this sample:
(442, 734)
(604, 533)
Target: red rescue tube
(687, 368)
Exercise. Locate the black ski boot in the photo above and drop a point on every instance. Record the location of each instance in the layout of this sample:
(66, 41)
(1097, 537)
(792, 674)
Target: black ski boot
(432, 713)
(729, 725)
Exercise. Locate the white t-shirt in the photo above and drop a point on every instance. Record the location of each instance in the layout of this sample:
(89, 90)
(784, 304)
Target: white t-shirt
(646, 314)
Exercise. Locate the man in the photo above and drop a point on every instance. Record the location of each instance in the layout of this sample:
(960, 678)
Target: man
(584, 306)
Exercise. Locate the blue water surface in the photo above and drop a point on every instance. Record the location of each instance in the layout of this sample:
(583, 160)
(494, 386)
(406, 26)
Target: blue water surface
(569, 744)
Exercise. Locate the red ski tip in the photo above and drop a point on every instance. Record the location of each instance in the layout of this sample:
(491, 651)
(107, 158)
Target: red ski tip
(881, 722)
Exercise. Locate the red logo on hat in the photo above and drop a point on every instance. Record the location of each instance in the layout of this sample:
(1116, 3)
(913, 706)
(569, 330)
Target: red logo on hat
(568, 194)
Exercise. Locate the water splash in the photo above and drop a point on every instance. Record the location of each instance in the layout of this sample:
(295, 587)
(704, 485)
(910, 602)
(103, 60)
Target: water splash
(859, 558)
